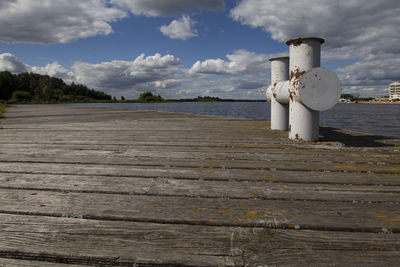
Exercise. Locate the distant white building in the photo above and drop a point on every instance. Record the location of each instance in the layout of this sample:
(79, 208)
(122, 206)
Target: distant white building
(394, 90)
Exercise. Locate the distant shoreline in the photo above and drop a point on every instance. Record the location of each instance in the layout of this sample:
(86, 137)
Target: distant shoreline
(373, 102)
(180, 101)
(134, 101)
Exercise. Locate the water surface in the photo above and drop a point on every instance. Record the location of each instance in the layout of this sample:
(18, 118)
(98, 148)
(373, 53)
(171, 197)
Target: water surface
(379, 119)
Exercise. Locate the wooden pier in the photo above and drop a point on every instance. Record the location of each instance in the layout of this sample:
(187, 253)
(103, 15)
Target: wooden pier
(94, 186)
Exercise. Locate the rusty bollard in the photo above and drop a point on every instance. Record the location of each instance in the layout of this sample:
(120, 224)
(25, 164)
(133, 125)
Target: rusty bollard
(309, 90)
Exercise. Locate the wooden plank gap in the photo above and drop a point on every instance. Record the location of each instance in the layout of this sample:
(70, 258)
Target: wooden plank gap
(277, 226)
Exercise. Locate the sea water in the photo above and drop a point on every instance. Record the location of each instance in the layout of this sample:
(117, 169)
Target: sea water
(377, 119)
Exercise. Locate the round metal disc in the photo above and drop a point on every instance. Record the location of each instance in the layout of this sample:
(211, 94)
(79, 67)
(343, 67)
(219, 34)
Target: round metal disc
(319, 89)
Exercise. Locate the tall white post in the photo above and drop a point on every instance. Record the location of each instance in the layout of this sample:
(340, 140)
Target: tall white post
(305, 54)
(279, 111)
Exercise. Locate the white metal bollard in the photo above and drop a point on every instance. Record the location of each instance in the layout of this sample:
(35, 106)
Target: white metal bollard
(312, 89)
(279, 103)
(308, 89)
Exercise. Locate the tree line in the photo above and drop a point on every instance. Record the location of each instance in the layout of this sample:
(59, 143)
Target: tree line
(33, 87)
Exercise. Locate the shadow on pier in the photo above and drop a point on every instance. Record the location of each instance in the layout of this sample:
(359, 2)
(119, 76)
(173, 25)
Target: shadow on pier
(355, 139)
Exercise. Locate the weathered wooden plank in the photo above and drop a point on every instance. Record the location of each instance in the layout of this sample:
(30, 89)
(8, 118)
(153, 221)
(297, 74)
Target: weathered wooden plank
(10, 262)
(131, 136)
(126, 138)
(163, 186)
(210, 160)
(319, 215)
(206, 173)
(281, 154)
(77, 166)
(80, 240)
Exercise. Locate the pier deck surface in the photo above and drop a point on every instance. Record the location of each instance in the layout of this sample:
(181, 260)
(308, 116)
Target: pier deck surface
(99, 186)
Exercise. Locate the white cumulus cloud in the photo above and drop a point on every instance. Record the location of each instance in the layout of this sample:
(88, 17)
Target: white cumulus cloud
(9, 62)
(55, 70)
(180, 29)
(242, 75)
(240, 62)
(166, 84)
(166, 8)
(154, 73)
(60, 21)
(55, 21)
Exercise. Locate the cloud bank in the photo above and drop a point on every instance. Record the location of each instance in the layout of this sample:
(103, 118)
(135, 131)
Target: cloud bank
(55, 21)
(364, 31)
(162, 74)
(11, 63)
(341, 22)
(243, 74)
(137, 75)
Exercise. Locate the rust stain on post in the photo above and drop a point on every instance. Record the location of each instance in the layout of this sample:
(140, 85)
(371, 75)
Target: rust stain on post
(297, 43)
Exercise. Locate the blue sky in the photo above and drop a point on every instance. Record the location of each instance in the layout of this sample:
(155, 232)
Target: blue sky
(189, 48)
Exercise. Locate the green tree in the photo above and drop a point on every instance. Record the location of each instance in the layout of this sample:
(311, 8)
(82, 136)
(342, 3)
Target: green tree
(149, 97)
(23, 82)
(7, 85)
(43, 88)
(34, 86)
(20, 96)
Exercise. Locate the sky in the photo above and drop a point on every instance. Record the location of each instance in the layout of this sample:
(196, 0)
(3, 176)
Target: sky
(190, 48)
